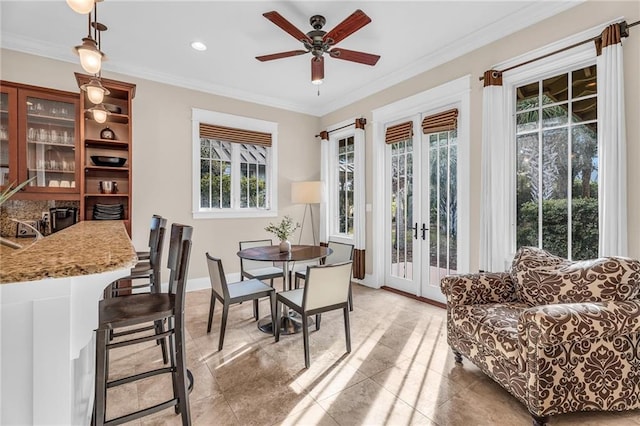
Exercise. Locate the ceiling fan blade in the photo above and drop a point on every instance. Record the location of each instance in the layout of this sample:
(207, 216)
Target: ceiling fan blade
(280, 55)
(280, 21)
(317, 69)
(354, 56)
(344, 29)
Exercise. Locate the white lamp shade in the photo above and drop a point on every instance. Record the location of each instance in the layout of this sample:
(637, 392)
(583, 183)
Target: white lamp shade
(95, 94)
(81, 6)
(91, 60)
(309, 192)
(99, 115)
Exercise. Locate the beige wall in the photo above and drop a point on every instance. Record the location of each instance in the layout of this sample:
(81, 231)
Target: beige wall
(162, 132)
(162, 155)
(573, 21)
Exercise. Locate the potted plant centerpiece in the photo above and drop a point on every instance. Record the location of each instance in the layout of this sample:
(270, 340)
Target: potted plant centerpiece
(283, 231)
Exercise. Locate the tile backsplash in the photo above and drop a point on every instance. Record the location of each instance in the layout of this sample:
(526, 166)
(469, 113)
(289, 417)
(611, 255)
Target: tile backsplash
(26, 210)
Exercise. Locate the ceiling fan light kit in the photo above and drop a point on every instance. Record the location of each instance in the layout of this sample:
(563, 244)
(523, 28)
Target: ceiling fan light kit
(318, 42)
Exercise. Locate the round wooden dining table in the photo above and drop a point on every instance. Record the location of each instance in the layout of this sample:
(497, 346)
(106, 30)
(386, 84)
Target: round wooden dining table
(290, 322)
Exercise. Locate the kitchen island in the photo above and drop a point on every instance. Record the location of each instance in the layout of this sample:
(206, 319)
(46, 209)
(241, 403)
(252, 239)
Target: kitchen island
(49, 293)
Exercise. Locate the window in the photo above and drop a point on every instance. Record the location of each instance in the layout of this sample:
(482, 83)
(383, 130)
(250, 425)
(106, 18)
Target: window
(345, 166)
(557, 164)
(234, 166)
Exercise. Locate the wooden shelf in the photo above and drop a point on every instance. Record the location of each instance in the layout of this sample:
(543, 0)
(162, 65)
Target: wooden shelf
(68, 145)
(107, 143)
(48, 118)
(106, 168)
(111, 118)
(106, 195)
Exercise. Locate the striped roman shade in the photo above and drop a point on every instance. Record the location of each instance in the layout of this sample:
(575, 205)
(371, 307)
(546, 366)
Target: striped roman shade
(399, 132)
(441, 122)
(229, 134)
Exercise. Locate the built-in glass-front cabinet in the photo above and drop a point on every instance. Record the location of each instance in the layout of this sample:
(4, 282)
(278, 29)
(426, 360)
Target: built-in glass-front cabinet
(39, 139)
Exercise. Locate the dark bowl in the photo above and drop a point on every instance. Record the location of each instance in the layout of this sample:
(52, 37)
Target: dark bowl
(103, 160)
(112, 108)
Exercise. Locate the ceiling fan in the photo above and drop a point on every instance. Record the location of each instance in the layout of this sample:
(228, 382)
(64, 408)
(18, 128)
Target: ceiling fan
(319, 42)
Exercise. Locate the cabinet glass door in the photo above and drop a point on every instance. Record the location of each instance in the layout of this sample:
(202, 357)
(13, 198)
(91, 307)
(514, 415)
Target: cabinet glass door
(5, 170)
(50, 143)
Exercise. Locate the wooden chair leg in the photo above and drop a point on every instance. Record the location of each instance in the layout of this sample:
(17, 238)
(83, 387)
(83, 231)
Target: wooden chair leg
(318, 318)
(272, 303)
(181, 373)
(305, 338)
(256, 314)
(350, 299)
(347, 329)
(159, 328)
(223, 325)
(100, 403)
(276, 323)
(212, 305)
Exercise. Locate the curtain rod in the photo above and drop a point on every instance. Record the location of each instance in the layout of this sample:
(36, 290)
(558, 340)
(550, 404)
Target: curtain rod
(624, 32)
(361, 121)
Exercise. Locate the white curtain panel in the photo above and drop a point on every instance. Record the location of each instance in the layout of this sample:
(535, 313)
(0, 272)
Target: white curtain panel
(495, 249)
(323, 235)
(612, 173)
(359, 215)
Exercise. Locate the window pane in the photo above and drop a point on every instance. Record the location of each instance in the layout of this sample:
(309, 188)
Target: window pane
(584, 211)
(215, 183)
(584, 81)
(555, 89)
(205, 184)
(554, 116)
(401, 211)
(527, 121)
(555, 219)
(585, 110)
(527, 97)
(527, 190)
(253, 180)
(453, 206)
(345, 190)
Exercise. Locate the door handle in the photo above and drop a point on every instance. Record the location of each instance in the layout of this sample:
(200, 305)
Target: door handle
(424, 231)
(415, 231)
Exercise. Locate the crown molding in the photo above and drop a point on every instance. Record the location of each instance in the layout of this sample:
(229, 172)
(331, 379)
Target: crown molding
(499, 29)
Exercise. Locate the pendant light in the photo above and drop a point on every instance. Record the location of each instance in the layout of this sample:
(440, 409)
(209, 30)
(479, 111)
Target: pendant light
(81, 6)
(95, 90)
(99, 113)
(91, 56)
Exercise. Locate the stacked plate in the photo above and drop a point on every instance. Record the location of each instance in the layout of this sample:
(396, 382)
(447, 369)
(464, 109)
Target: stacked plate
(108, 212)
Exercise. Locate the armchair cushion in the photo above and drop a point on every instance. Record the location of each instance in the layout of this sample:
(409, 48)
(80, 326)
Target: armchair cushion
(494, 326)
(542, 278)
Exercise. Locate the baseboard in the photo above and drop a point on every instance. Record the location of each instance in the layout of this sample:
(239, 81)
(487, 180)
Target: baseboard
(413, 296)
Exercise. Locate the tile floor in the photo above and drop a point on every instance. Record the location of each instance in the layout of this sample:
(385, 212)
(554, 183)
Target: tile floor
(400, 372)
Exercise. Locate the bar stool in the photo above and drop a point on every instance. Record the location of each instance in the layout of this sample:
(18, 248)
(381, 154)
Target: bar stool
(144, 254)
(148, 270)
(135, 309)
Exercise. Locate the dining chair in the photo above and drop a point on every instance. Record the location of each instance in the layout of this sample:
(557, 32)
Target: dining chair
(136, 309)
(340, 252)
(255, 269)
(229, 294)
(326, 288)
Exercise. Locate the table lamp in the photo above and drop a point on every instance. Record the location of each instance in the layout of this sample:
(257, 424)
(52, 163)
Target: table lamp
(309, 192)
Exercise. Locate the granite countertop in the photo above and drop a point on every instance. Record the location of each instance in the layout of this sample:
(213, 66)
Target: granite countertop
(88, 247)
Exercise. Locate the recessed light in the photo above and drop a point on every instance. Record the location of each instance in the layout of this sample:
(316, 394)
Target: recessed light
(198, 45)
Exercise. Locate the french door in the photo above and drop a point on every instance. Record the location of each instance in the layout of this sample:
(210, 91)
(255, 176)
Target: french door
(422, 220)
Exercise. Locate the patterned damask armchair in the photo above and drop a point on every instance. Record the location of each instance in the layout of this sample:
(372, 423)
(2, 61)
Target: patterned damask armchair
(560, 336)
